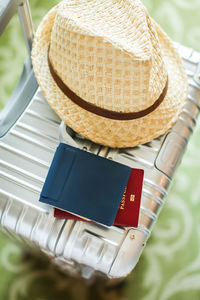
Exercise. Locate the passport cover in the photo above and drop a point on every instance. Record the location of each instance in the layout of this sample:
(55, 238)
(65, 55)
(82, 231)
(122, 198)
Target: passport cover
(128, 212)
(85, 184)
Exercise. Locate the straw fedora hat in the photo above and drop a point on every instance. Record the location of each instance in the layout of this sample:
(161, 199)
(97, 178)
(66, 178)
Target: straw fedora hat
(109, 71)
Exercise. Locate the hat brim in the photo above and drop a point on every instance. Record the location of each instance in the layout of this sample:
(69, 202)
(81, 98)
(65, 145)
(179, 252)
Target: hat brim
(102, 130)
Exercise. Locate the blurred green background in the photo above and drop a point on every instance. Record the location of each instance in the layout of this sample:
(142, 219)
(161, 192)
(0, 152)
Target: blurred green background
(169, 268)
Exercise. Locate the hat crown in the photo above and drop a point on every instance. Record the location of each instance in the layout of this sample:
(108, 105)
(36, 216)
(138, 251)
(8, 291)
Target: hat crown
(108, 53)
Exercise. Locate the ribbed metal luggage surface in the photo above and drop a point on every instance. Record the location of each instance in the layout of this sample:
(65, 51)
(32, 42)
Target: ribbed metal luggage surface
(26, 152)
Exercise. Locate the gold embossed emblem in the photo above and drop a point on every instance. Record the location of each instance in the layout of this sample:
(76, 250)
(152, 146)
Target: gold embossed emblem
(132, 197)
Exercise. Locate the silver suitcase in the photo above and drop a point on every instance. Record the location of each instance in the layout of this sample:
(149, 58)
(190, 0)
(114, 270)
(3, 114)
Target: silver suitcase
(30, 132)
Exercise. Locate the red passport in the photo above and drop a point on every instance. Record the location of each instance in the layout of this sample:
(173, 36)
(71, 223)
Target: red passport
(128, 212)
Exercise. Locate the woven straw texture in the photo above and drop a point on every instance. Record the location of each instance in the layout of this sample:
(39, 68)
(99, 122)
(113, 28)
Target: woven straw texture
(114, 56)
(172, 253)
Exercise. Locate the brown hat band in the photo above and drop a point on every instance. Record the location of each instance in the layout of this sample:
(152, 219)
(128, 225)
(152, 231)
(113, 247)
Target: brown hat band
(102, 111)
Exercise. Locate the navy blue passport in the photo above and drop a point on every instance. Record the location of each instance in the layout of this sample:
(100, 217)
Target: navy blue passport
(85, 184)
